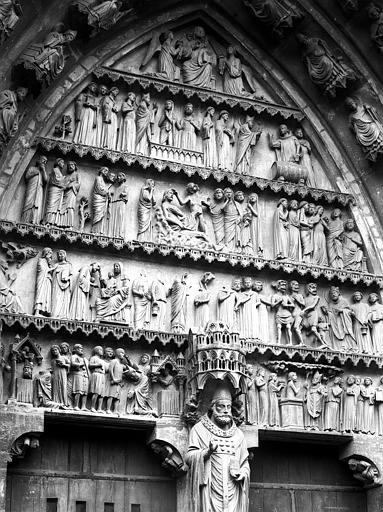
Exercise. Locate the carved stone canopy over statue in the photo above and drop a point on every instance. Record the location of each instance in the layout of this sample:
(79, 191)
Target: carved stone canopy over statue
(219, 473)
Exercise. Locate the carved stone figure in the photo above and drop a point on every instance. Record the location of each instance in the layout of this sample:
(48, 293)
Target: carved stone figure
(109, 110)
(4, 367)
(314, 400)
(55, 194)
(142, 301)
(251, 397)
(209, 145)
(100, 202)
(117, 220)
(305, 159)
(287, 146)
(97, 379)
(9, 301)
(299, 305)
(47, 59)
(59, 380)
(168, 398)
(225, 141)
(86, 111)
(248, 136)
(43, 293)
(375, 320)
(283, 306)
(365, 472)
(61, 286)
(231, 218)
(167, 124)
(202, 302)
(244, 240)
(227, 305)
(349, 404)
(158, 292)
(101, 15)
(178, 302)
(145, 212)
(281, 230)
(35, 177)
(127, 134)
(379, 406)
(274, 389)
(306, 221)
(324, 69)
(116, 370)
(375, 13)
(294, 234)
(352, 247)
(247, 307)
(320, 228)
(215, 207)
(232, 70)
(255, 223)
(263, 314)
(103, 92)
(145, 116)
(279, 15)
(80, 377)
(189, 127)
(196, 221)
(360, 323)
(10, 114)
(332, 406)
(334, 239)
(367, 127)
(113, 303)
(71, 190)
(87, 277)
(261, 384)
(10, 13)
(367, 392)
(196, 60)
(139, 397)
(164, 44)
(339, 316)
(218, 448)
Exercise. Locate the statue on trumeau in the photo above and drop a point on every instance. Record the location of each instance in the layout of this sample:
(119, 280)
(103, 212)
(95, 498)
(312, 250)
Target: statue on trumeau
(10, 114)
(324, 69)
(36, 178)
(367, 127)
(219, 473)
(10, 13)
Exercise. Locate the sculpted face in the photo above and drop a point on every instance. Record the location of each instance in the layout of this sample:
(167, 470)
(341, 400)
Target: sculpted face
(311, 209)
(55, 351)
(228, 193)
(116, 269)
(43, 160)
(373, 298)
(131, 96)
(283, 130)
(225, 116)
(258, 286)
(236, 286)
(357, 297)
(218, 194)
(79, 349)
(144, 359)
(294, 205)
(93, 88)
(61, 256)
(64, 348)
(169, 105)
(282, 285)
(247, 283)
(350, 380)
(188, 109)
(299, 133)
(253, 198)
(294, 286)
(312, 288)
(102, 90)
(221, 414)
(239, 196)
(350, 225)
(109, 353)
(120, 353)
(334, 293)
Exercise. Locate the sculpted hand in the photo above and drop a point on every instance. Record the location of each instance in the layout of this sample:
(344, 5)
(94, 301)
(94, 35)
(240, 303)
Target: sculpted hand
(239, 476)
(212, 447)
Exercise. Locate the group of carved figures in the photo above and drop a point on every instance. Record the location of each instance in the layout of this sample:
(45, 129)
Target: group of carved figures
(352, 404)
(303, 233)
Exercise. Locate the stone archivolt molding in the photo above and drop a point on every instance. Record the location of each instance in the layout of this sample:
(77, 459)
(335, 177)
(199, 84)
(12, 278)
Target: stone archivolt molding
(204, 94)
(210, 256)
(288, 188)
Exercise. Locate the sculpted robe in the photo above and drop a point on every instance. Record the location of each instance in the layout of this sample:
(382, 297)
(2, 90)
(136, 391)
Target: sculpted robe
(127, 137)
(86, 114)
(72, 187)
(341, 329)
(178, 306)
(209, 145)
(61, 290)
(225, 141)
(334, 243)
(211, 487)
(197, 70)
(55, 197)
(368, 130)
(118, 219)
(227, 300)
(9, 121)
(43, 297)
(287, 148)
(141, 300)
(217, 218)
(247, 139)
(248, 314)
(144, 121)
(109, 122)
(100, 204)
(352, 252)
(34, 195)
(79, 304)
(281, 233)
(145, 215)
(188, 137)
(231, 219)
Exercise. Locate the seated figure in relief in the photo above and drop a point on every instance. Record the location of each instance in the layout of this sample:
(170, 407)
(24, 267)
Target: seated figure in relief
(113, 304)
(197, 59)
(164, 45)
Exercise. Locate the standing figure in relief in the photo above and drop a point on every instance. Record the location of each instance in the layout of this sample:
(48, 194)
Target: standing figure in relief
(108, 358)
(164, 44)
(219, 475)
(127, 136)
(116, 371)
(109, 112)
(145, 116)
(359, 405)
(72, 187)
(202, 303)
(215, 207)
(117, 221)
(263, 314)
(209, 145)
(287, 147)
(349, 404)
(55, 194)
(283, 306)
(299, 305)
(225, 141)
(35, 178)
(196, 221)
(244, 242)
(332, 406)
(313, 315)
(139, 398)
(113, 303)
(306, 216)
(295, 248)
(100, 202)
(97, 379)
(334, 239)
(274, 389)
(231, 220)
(80, 377)
(367, 127)
(145, 212)
(158, 293)
(379, 406)
(197, 61)
(167, 124)
(86, 107)
(189, 127)
(43, 294)
(281, 230)
(141, 301)
(103, 92)
(251, 397)
(231, 69)
(59, 378)
(255, 224)
(360, 324)
(340, 316)
(352, 247)
(227, 300)
(314, 400)
(178, 302)
(10, 115)
(247, 307)
(375, 320)
(61, 283)
(305, 160)
(79, 308)
(367, 392)
(261, 384)
(292, 389)
(248, 136)
(319, 237)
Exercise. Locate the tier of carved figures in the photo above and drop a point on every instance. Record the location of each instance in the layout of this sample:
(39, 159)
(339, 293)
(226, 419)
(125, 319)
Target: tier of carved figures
(301, 231)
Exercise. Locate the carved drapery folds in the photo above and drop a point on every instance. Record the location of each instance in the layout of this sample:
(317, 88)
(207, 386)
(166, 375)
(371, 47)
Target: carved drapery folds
(10, 13)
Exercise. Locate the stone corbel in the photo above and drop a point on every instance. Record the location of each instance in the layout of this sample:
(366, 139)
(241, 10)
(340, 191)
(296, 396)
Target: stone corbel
(170, 458)
(22, 444)
(364, 460)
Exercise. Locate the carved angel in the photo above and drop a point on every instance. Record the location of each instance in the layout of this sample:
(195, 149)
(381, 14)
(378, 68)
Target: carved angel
(163, 43)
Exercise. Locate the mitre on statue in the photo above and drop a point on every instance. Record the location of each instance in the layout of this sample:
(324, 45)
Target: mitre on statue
(222, 392)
